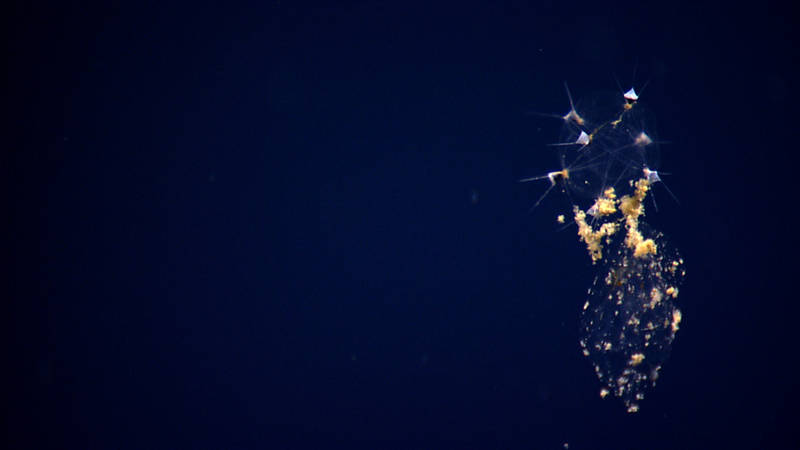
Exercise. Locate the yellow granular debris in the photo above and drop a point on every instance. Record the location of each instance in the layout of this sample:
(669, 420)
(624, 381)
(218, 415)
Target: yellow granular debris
(655, 297)
(634, 237)
(672, 291)
(607, 229)
(605, 206)
(592, 238)
(676, 319)
(560, 218)
(631, 207)
(634, 240)
(636, 359)
(642, 187)
(644, 248)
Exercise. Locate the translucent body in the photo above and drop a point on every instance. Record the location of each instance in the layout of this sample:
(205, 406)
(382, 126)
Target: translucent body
(630, 319)
(608, 155)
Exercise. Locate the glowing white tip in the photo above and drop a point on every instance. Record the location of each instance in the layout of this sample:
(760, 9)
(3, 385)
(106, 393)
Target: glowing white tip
(631, 95)
(583, 139)
(651, 175)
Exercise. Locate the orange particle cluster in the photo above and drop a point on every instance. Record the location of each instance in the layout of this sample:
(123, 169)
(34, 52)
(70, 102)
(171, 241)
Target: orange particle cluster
(631, 207)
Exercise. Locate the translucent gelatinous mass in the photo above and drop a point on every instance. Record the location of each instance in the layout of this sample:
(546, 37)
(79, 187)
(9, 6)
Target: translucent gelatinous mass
(630, 319)
(608, 155)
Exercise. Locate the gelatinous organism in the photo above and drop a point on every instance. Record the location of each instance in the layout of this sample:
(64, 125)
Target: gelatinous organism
(608, 155)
